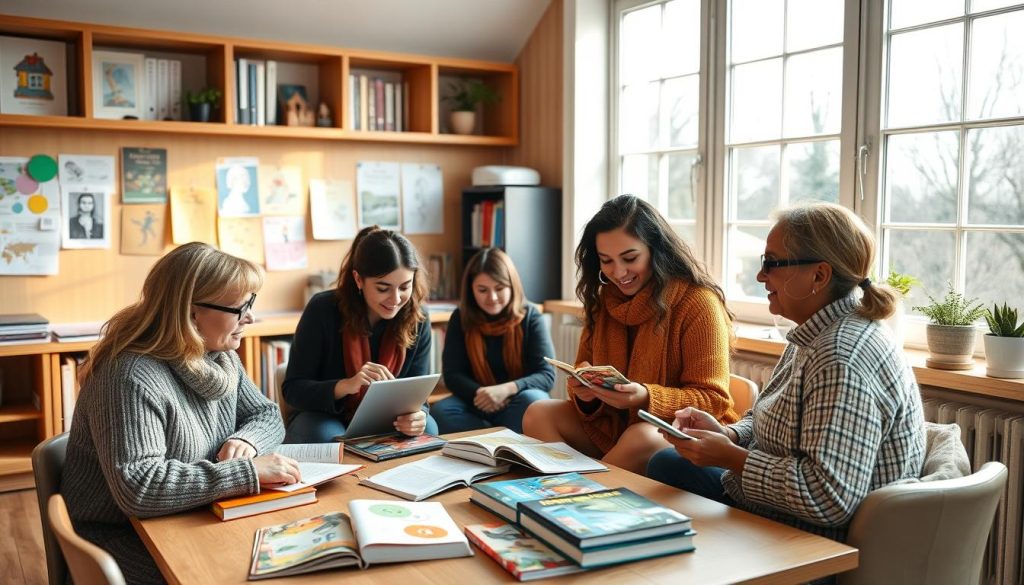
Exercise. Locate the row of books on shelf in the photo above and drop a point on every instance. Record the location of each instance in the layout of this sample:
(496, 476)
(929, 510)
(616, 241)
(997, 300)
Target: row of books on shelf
(378, 103)
(256, 102)
(275, 354)
(487, 224)
(24, 327)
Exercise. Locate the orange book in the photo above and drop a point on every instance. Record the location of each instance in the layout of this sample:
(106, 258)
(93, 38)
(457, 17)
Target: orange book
(268, 501)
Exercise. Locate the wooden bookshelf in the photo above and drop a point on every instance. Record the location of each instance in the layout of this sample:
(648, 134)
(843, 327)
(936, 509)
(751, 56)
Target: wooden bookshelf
(213, 59)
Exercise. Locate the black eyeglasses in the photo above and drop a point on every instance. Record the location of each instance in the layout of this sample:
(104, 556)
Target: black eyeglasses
(240, 311)
(767, 265)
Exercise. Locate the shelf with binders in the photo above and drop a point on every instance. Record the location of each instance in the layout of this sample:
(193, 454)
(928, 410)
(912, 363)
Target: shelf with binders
(497, 120)
(282, 87)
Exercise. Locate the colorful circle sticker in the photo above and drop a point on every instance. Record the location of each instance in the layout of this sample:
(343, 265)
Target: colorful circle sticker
(42, 167)
(25, 185)
(17, 207)
(425, 531)
(38, 204)
(390, 510)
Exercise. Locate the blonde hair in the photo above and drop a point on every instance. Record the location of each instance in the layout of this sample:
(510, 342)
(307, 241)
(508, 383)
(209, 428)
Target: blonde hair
(159, 324)
(835, 235)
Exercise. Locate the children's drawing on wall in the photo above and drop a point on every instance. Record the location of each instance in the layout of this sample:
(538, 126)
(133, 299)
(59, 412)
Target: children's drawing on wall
(237, 187)
(193, 217)
(281, 190)
(333, 209)
(88, 220)
(242, 237)
(86, 173)
(378, 185)
(142, 229)
(284, 240)
(422, 199)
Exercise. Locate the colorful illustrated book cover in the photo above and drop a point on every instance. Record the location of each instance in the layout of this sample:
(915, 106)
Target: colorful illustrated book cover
(607, 512)
(291, 545)
(393, 446)
(513, 491)
(143, 175)
(518, 553)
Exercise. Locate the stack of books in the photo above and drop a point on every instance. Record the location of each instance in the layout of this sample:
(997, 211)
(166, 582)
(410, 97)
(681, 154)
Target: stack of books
(24, 328)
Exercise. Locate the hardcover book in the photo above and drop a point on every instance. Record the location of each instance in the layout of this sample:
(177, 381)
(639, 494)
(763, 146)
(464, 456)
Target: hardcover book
(268, 501)
(423, 478)
(525, 557)
(393, 446)
(510, 447)
(503, 497)
(378, 531)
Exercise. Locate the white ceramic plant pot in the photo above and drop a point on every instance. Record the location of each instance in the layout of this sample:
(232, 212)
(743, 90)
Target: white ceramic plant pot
(950, 347)
(1004, 356)
(463, 122)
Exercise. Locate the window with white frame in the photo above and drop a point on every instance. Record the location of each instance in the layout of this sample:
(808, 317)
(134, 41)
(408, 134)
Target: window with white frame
(786, 92)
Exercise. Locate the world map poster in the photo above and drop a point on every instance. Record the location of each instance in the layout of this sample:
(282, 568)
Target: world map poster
(29, 221)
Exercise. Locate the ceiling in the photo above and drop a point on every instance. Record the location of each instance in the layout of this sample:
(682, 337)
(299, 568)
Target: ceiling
(493, 30)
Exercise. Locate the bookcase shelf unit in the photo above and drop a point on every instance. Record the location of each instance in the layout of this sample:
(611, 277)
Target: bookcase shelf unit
(209, 61)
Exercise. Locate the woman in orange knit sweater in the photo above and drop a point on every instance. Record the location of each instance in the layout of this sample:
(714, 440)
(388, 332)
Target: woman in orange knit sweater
(652, 311)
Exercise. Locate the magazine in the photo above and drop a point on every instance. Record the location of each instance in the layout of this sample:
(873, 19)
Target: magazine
(589, 376)
(378, 531)
(510, 447)
(393, 445)
(431, 475)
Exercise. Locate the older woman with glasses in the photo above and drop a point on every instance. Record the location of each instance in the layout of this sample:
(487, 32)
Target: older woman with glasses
(167, 420)
(842, 413)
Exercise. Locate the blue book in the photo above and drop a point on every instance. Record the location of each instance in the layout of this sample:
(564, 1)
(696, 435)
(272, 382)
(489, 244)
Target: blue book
(503, 497)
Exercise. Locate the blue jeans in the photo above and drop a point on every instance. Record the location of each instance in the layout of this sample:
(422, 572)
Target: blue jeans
(455, 415)
(669, 467)
(319, 427)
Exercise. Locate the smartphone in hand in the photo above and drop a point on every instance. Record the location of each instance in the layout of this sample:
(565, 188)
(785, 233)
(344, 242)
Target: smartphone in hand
(664, 425)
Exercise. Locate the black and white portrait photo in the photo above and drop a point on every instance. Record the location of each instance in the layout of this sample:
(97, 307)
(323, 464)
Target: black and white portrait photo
(87, 219)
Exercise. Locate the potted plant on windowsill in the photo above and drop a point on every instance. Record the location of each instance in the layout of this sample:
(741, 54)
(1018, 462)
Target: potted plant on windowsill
(202, 103)
(951, 330)
(902, 283)
(1004, 346)
(465, 97)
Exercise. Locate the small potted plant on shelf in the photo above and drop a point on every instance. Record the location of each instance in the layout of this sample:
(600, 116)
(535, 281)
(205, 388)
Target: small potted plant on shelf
(465, 96)
(951, 330)
(1004, 346)
(902, 283)
(202, 103)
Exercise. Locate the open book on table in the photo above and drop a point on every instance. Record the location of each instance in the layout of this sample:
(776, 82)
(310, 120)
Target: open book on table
(590, 376)
(376, 531)
(510, 447)
(318, 463)
(431, 475)
(393, 445)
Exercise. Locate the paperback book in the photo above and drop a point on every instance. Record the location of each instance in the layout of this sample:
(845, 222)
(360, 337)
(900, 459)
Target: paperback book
(268, 501)
(511, 447)
(518, 553)
(378, 531)
(432, 475)
(590, 376)
(503, 497)
(394, 445)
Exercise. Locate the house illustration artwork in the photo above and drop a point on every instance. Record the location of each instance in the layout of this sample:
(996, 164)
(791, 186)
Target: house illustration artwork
(33, 78)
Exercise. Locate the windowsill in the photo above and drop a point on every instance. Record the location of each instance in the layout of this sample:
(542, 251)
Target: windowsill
(755, 338)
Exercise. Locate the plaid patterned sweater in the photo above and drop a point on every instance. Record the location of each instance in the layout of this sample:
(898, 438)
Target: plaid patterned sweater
(840, 417)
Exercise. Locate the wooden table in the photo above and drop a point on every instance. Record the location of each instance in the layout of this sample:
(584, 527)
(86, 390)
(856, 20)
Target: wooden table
(732, 546)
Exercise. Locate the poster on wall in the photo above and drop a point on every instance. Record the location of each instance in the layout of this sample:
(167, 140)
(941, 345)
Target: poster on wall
(143, 175)
(378, 185)
(333, 209)
(238, 187)
(29, 221)
(81, 172)
(281, 190)
(193, 215)
(284, 240)
(422, 199)
(87, 222)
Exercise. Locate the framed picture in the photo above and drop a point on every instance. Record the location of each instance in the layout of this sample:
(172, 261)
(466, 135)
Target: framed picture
(117, 84)
(34, 79)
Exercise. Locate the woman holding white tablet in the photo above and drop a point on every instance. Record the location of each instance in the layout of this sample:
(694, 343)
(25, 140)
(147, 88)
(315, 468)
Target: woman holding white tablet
(370, 327)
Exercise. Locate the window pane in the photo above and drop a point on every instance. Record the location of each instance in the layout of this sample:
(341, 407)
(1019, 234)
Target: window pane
(745, 245)
(926, 255)
(755, 181)
(921, 173)
(640, 176)
(995, 175)
(910, 12)
(688, 232)
(814, 84)
(680, 38)
(813, 170)
(638, 115)
(983, 5)
(681, 203)
(756, 101)
(996, 82)
(756, 29)
(813, 23)
(925, 73)
(680, 100)
(640, 33)
(995, 267)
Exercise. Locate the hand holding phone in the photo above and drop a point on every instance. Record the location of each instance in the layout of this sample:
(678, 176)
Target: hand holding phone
(664, 426)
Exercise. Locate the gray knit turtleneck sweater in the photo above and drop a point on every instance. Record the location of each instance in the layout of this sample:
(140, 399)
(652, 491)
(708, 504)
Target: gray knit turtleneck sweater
(144, 442)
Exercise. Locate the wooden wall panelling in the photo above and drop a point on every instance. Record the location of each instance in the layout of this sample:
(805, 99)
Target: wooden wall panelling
(55, 392)
(83, 100)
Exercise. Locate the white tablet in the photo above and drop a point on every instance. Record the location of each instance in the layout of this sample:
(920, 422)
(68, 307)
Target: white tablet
(384, 401)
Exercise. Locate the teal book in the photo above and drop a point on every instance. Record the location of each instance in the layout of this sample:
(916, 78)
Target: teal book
(601, 518)
(503, 497)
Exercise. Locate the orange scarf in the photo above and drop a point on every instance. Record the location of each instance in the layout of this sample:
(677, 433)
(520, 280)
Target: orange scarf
(356, 350)
(511, 349)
